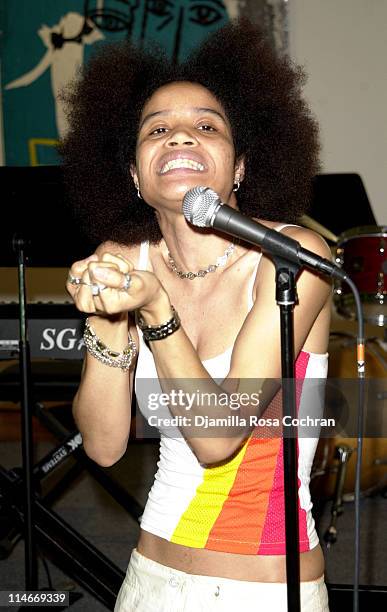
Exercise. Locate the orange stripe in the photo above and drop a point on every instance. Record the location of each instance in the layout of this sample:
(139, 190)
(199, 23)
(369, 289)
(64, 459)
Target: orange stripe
(250, 494)
(196, 522)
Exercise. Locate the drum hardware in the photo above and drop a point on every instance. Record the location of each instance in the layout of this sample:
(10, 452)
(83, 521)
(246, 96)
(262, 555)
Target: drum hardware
(344, 452)
(333, 475)
(377, 354)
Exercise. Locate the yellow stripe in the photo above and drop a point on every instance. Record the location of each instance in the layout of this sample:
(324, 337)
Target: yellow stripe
(196, 523)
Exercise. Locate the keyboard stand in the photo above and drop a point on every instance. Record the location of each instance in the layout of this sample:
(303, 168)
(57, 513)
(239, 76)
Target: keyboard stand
(58, 541)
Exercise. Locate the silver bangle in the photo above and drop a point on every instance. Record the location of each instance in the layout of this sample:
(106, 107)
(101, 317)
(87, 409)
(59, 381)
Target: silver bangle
(100, 351)
(158, 332)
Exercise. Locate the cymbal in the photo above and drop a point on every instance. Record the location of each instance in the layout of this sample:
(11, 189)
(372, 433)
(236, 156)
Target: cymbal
(317, 227)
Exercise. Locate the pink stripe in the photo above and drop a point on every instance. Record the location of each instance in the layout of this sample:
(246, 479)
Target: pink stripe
(273, 535)
(301, 368)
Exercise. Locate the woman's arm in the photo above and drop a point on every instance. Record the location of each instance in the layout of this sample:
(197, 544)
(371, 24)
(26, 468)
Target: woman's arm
(102, 405)
(256, 353)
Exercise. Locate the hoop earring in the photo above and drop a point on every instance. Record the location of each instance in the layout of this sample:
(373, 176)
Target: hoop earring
(236, 186)
(138, 192)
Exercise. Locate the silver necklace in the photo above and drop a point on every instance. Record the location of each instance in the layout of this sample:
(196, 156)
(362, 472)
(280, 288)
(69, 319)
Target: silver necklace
(221, 261)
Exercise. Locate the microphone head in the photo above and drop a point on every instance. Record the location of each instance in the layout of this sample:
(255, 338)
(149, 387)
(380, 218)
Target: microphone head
(199, 205)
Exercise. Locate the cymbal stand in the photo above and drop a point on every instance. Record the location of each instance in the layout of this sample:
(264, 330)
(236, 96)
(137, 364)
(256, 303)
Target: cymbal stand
(344, 452)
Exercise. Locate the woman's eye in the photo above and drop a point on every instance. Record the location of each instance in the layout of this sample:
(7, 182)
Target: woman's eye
(159, 130)
(206, 128)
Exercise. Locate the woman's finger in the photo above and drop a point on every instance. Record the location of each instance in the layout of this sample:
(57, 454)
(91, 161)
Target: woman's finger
(101, 264)
(78, 267)
(83, 297)
(75, 273)
(124, 265)
(106, 275)
(123, 297)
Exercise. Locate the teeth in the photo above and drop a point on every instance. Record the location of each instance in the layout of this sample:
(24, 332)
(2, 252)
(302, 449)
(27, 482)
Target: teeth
(182, 163)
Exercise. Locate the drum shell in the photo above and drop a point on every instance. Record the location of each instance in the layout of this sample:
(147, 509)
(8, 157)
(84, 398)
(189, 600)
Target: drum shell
(342, 364)
(362, 252)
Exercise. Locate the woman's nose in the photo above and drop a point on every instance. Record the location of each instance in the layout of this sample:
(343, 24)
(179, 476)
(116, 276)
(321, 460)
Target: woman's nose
(181, 136)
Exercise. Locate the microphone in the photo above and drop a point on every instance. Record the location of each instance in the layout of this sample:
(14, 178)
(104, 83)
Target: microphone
(203, 207)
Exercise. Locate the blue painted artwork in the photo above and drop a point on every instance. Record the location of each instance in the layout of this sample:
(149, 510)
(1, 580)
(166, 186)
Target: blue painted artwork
(45, 43)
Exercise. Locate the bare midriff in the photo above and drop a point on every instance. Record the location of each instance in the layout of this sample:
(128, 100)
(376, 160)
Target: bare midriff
(203, 562)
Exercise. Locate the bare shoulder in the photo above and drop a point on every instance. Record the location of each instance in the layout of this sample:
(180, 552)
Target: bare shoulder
(309, 240)
(309, 283)
(129, 251)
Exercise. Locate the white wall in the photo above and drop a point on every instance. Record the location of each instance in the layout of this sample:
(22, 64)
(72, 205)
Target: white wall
(343, 46)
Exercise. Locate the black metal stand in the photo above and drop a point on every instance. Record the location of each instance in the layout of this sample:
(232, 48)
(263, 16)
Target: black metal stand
(23, 510)
(286, 297)
(31, 564)
(57, 540)
(72, 553)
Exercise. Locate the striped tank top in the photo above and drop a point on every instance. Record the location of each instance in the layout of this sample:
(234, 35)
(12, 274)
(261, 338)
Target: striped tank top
(238, 506)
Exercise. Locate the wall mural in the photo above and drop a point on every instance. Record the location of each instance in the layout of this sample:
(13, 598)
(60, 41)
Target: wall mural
(45, 43)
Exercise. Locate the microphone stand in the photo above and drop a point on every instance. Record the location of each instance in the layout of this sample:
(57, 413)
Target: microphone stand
(31, 566)
(286, 298)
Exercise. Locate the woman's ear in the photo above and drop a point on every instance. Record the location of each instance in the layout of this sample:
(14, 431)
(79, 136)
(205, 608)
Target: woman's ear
(239, 172)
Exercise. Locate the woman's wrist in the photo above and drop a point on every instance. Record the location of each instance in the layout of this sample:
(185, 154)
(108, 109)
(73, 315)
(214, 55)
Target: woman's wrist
(105, 354)
(158, 311)
(161, 330)
(112, 329)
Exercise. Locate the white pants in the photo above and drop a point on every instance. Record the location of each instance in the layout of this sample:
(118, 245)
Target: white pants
(152, 587)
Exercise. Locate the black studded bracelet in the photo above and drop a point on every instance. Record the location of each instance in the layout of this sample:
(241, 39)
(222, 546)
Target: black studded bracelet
(158, 332)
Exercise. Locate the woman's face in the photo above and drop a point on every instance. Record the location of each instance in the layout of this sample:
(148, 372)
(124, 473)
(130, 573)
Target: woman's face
(184, 140)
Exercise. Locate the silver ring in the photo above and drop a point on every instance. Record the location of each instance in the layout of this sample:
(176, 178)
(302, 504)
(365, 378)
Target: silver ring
(127, 282)
(96, 289)
(74, 280)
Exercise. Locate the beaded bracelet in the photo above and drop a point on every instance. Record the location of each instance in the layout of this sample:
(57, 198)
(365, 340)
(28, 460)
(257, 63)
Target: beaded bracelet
(158, 332)
(100, 351)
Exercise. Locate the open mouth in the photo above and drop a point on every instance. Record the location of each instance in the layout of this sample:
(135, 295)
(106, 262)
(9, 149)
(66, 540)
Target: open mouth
(188, 164)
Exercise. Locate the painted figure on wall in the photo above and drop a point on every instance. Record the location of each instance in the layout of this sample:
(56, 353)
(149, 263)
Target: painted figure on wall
(36, 119)
(177, 25)
(65, 44)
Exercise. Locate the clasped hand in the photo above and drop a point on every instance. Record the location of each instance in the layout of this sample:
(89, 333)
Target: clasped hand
(110, 285)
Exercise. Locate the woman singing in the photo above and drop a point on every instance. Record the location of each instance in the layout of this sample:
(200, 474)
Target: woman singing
(167, 301)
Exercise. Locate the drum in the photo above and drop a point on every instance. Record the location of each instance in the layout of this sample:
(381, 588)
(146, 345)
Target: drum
(342, 364)
(362, 252)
